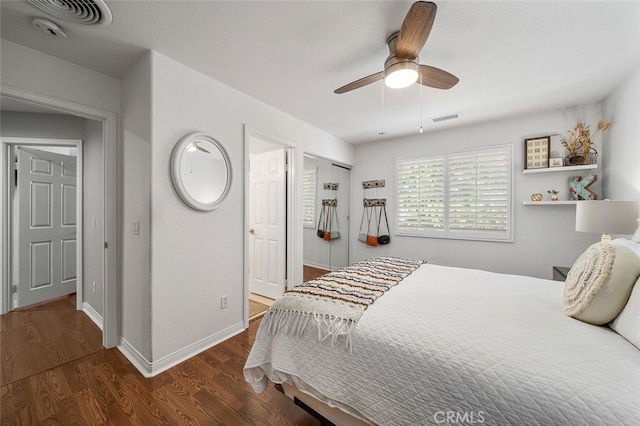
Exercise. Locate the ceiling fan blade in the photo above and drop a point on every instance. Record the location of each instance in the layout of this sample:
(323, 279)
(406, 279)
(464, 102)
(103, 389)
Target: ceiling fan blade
(437, 78)
(359, 83)
(415, 29)
(198, 147)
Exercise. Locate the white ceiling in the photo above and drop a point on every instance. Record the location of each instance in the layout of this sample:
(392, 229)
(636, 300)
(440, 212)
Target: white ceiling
(512, 57)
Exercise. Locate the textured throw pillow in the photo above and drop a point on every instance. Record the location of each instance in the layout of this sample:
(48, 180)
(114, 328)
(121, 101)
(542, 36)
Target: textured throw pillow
(600, 282)
(627, 324)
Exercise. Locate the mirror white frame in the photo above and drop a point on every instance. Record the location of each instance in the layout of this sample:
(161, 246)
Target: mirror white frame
(200, 171)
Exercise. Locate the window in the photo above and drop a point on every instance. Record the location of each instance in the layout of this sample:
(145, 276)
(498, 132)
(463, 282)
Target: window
(463, 195)
(309, 198)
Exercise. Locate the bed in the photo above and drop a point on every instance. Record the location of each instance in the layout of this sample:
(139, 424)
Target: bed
(462, 346)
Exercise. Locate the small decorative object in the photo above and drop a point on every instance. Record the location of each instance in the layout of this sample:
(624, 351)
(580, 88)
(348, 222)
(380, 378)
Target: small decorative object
(579, 141)
(556, 162)
(554, 194)
(536, 151)
(536, 196)
(579, 187)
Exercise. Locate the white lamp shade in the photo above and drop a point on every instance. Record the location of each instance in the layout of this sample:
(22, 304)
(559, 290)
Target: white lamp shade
(609, 217)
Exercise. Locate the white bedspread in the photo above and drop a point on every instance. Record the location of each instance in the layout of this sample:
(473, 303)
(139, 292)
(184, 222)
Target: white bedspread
(466, 345)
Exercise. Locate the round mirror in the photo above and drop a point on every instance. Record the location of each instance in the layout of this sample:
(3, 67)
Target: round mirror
(200, 171)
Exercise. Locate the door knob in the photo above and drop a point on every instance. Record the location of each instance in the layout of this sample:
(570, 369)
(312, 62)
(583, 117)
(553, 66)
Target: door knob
(251, 231)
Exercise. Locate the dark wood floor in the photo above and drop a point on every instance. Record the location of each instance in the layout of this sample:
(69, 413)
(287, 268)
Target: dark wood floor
(101, 387)
(311, 272)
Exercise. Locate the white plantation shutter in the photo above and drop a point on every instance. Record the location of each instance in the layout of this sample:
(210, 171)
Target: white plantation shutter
(420, 192)
(309, 198)
(464, 195)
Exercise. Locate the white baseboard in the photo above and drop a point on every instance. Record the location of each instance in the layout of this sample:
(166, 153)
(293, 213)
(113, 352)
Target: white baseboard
(317, 265)
(136, 358)
(151, 368)
(92, 314)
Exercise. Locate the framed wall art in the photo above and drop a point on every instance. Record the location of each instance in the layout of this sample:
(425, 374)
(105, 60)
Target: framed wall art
(536, 152)
(556, 162)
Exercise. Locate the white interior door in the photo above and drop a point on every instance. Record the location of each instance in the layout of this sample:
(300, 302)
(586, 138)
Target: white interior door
(267, 222)
(46, 225)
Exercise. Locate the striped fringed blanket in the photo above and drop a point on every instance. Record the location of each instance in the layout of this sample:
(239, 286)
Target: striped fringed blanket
(336, 301)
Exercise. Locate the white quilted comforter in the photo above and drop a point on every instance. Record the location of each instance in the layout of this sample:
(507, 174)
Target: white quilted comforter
(451, 345)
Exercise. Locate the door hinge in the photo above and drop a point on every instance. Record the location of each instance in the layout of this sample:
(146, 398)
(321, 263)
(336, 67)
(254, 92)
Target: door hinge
(14, 289)
(106, 245)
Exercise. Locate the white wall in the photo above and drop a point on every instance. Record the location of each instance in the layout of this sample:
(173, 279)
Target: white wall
(93, 216)
(28, 69)
(175, 272)
(544, 236)
(622, 146)
(136, 206)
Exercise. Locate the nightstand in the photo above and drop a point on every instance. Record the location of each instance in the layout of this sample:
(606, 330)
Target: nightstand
(560, 273)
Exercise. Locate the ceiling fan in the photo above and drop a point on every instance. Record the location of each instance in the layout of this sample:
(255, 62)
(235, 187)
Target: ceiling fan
(194, 146)
(401, 68)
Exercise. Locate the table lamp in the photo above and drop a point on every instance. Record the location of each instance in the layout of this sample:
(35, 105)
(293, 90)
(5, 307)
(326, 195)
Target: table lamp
(607, 217)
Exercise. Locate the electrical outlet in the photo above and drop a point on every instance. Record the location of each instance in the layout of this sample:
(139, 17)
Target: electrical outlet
(224, 302)
(94, 287)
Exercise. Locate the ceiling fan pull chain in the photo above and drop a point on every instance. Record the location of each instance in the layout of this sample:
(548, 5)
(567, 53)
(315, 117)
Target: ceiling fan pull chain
(420, 103)
(382, 111)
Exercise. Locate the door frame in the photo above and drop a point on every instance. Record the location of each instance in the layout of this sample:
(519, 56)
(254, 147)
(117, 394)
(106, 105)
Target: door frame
(291, 211)
(10, 143)
(112, 221)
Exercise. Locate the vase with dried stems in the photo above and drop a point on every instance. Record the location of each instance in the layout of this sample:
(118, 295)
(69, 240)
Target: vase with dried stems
(579, 143)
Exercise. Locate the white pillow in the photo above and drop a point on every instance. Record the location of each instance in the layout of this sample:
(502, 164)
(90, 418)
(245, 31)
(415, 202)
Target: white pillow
(627, 324)
(632, 245)
(636, 236)
(599, 284)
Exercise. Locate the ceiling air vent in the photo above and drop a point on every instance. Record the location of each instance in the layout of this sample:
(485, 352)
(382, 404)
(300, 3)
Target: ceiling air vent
(445, 118)
(85, 12)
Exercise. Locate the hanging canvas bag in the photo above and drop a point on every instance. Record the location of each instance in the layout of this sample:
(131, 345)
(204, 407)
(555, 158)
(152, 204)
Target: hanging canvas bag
(334, 234)
(327, 224)
(372, 240)
(384, 238)
(320, 231)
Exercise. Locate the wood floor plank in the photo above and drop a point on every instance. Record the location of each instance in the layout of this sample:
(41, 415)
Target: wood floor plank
(63, 376)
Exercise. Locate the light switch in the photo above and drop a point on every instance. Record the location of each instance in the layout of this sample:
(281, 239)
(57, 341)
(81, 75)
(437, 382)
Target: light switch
(93, 223)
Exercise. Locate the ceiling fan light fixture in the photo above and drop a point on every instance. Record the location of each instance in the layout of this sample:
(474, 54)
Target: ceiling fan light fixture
(399, 73)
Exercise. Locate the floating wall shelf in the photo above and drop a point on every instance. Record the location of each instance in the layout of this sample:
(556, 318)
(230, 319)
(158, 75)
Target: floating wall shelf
(549, 203)
(559, 169)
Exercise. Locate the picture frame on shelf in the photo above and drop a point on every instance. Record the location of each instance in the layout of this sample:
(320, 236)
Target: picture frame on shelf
(536, 152)
(556, 162)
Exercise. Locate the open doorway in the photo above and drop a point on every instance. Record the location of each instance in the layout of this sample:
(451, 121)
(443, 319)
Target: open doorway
(28, 111)
(268, 218)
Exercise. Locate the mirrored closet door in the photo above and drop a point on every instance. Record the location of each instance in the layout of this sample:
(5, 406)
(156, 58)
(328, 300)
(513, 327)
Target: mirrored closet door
(326, 216)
